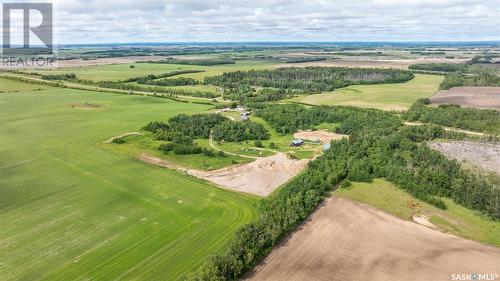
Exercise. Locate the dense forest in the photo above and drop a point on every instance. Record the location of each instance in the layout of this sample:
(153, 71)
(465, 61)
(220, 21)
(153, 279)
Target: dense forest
(245, 94)
(481, 120)
(383, 148)
(459, 79)
(310, 79)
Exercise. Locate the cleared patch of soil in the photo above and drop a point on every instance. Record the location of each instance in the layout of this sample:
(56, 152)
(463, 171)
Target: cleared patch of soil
(260, 177)
(321, 135)
(477, 97)
(483, 155)
(345, 240)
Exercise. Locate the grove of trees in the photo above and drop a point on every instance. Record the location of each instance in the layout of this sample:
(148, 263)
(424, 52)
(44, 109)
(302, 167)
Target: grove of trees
(310, 79)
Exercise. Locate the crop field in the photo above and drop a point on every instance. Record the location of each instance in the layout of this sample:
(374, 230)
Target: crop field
(71, 210)
(346, 240)
(116, 72)
(384, 96)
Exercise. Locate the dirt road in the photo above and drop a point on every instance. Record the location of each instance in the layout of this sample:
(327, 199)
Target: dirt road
(345, 240)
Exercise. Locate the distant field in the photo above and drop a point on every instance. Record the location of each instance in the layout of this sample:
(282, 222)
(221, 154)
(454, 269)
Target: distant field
(456, 219)
(383, 96)
(10, 86)
(117, 72)
(71, 210)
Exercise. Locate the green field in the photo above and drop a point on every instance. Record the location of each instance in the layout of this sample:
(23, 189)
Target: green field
(383, 96)
(456, 219)
(73, 211)
(116, 72)
(136, 145)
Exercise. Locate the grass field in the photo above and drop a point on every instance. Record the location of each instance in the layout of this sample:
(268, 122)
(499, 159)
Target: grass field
(73, 211)
(137, 145)
(383, 96)
(116, 72)
(456, 219)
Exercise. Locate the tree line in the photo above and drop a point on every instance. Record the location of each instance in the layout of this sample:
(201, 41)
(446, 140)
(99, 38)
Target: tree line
(481, 120)
(310, 79)
(396, 153)
(202, 62)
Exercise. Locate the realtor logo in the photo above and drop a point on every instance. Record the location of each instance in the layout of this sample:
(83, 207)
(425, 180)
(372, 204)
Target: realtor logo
(31, 26)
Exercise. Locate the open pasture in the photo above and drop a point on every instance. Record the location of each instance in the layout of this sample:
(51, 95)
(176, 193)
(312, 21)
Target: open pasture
(73, 211)
(399, 96)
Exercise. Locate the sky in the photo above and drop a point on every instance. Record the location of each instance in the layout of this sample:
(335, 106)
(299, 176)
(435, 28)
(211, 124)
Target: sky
(121, 21)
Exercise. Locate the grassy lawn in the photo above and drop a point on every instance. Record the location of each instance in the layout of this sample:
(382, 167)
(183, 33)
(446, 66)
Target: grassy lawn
(136, 145)
(116, 72)
(383, 96)
(456, 219)
(72, 210)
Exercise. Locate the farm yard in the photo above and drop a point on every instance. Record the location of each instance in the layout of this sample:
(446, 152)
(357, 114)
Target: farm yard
(385, 96)
(477, 97)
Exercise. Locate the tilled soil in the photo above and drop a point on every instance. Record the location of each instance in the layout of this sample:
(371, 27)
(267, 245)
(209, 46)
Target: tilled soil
(345, 240)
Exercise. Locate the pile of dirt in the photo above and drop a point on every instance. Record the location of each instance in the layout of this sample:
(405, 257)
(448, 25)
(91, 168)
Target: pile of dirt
(345, 240)
(477, 97)
(123, 136)
(323, 136)
(260, 177)
(483, 155)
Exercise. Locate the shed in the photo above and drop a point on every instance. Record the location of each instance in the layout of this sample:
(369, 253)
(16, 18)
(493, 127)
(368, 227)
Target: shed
(297, 142)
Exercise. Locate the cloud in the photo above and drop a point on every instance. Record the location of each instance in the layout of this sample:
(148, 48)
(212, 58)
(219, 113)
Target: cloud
(85, 21)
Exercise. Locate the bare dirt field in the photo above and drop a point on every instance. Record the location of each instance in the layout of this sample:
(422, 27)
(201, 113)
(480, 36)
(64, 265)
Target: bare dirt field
(321, 135)
(399, 63)
(260, 177)
(478, 97)
(103, 61)
(483, 155)
(345, 240)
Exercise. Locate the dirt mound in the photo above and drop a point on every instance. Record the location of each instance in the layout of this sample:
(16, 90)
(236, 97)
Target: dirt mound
(483, 155)
(477, 97)
(260, 177)
(350, 241)
(323, 136)
(123, 135)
